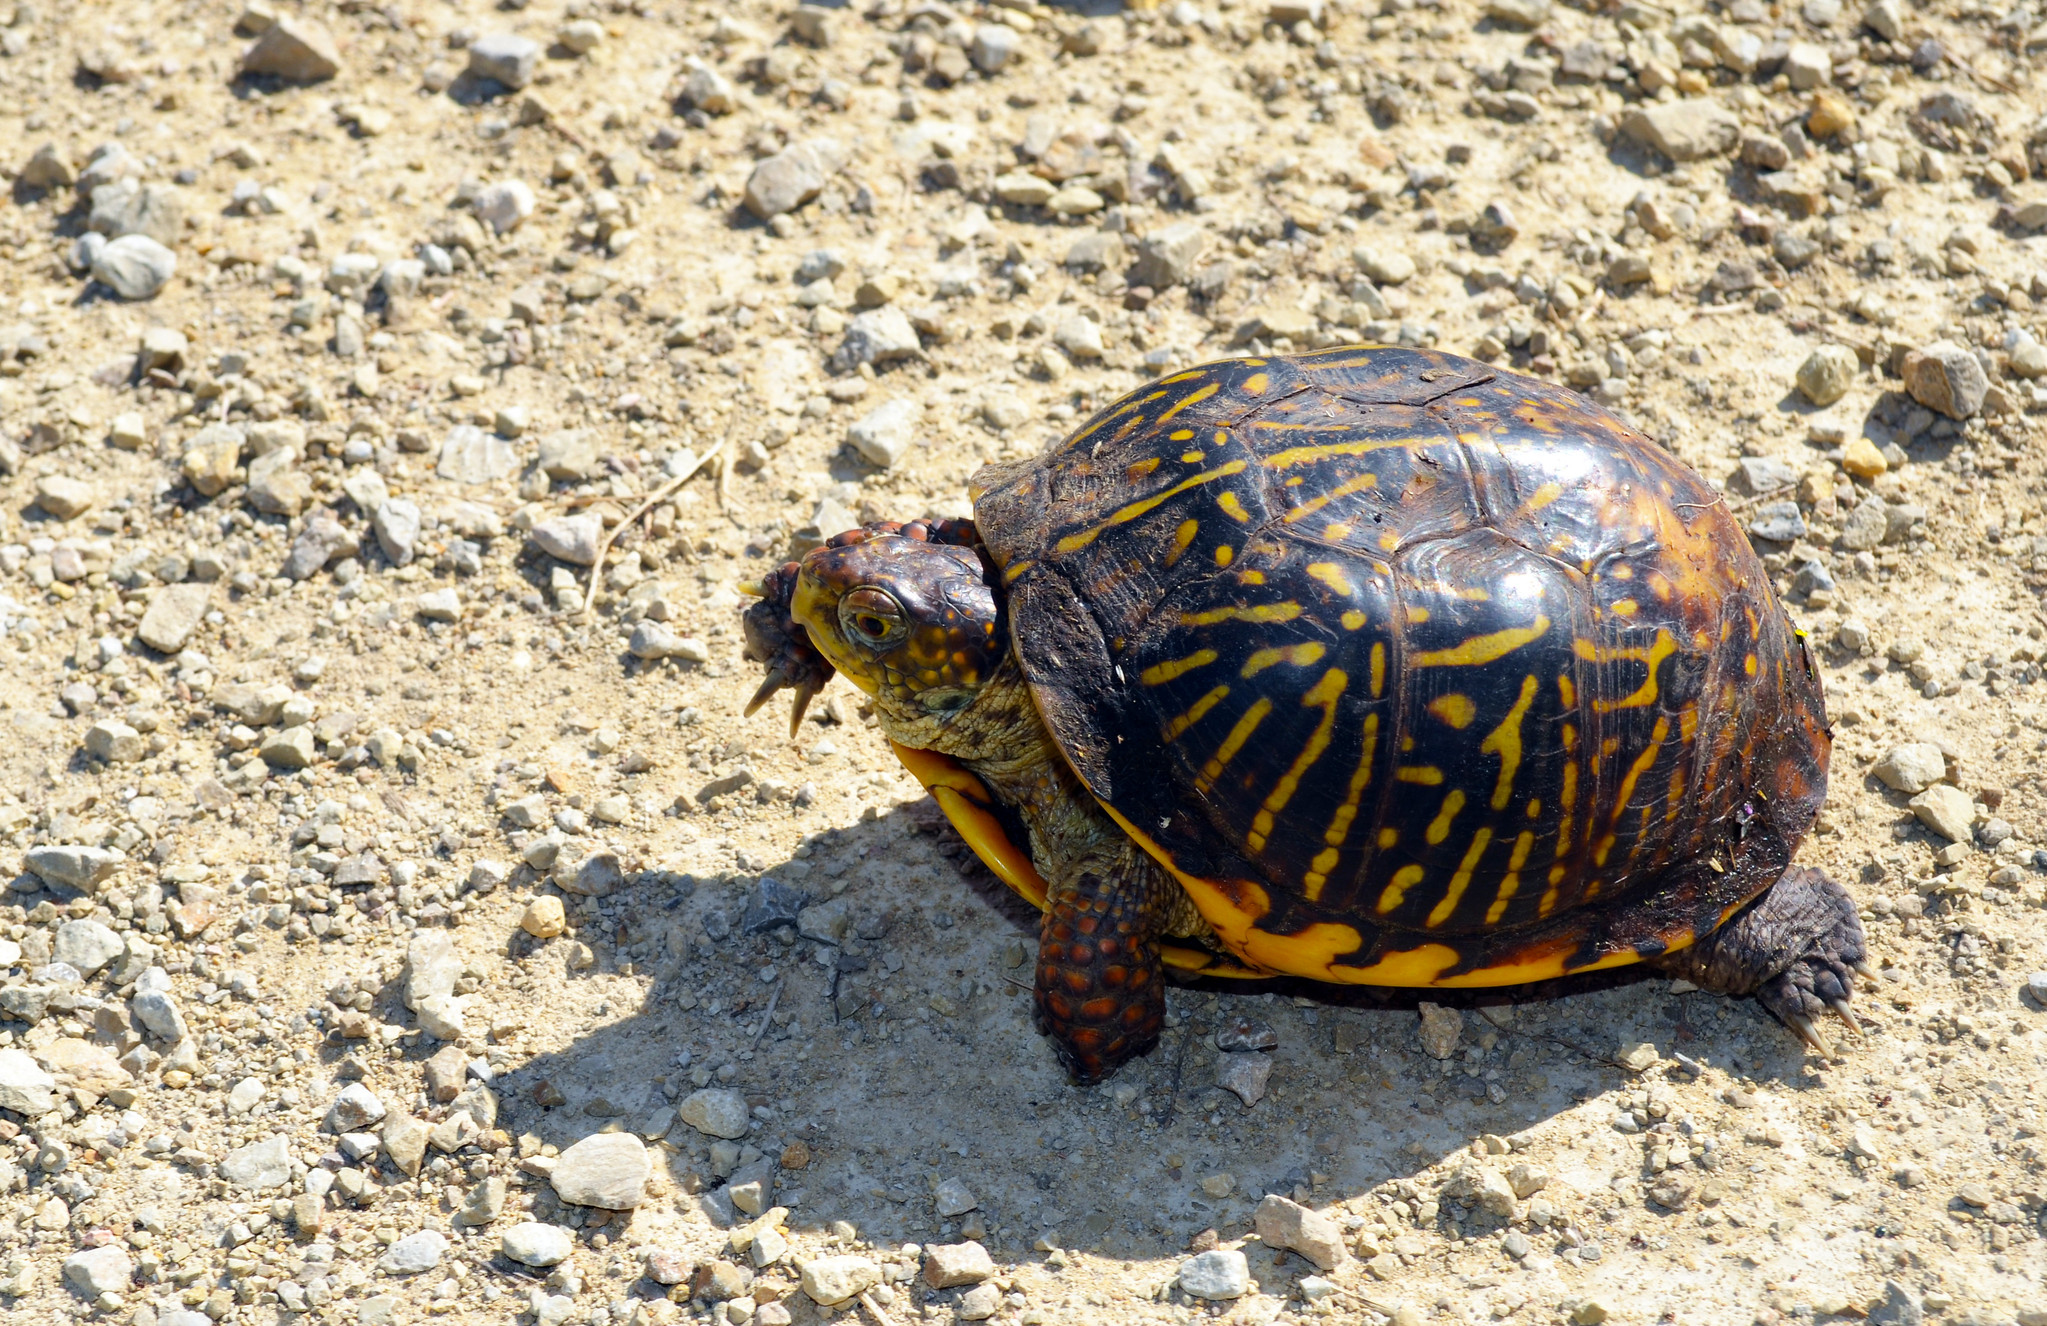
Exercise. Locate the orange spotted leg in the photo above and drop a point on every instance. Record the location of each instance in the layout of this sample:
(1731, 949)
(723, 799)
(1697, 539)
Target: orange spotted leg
(1797, 949)
(1101, 993)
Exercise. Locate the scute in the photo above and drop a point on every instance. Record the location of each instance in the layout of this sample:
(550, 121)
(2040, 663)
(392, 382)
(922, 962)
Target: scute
(1439, 660)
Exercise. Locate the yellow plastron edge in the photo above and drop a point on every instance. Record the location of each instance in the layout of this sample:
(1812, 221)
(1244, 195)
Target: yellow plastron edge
(965, 801)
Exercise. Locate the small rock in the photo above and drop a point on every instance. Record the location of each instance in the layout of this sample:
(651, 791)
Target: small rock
(1946, 377)
(294, 49)
(355, 1108)
(1863, 459)
(884, 434)
(289, 748)
(994, 46)
(439, 605)
(469, 455)
(1527, 14)
(1638, 1058)
(1830, 113)
(1947, 810)
(1685, 130)
(485, 1203)
(666, 1266)
(50, 168)
(1900, 1305)
(1912, 767)
(404, 1140)
(1587, 1312)
(444, 1017)
(259, 1166)
(1827, 374)
(715, 1112)
(607, 1170)
(572, 539)
(829, 1281)
(1474, 1180)
(174, 614)
(103, 1270)
(64, 497)
(134, 266)
(1779, 522)
(416, 1252)
(1439, 1030)
(655, 640)
(1866, 526)
(708, 91)
(504, 57)
(792, 177)
(544, 917)
(87, 945)
(569, 454)
(952, 1199)
(1079, 336)
(2036, 986)
(1245, 1074)
(1383, 265)
(877, 336)
(978, 1304)
(1216, 1275)
(114, 742)
(504, 206)
(397, 524)
(24, 1087)
(532, 1243)
(1286, 1224)
(949, 1265)
(72, 865)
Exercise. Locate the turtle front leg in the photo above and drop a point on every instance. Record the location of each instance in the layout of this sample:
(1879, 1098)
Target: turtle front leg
(1797, 949)
(1101, 993)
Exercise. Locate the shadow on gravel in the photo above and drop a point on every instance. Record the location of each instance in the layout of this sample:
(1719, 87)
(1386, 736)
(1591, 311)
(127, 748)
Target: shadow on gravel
(884, 1049)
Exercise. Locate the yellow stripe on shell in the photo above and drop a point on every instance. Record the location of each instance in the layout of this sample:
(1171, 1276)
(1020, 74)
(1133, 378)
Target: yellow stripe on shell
(1262, 612)
(1158, 674)
(1240, 733)
(1505, 742)
(1075, 542)
(1300, 656)
(1323, 695)
(1483, 649)
(1196, 713)
(1460, 881)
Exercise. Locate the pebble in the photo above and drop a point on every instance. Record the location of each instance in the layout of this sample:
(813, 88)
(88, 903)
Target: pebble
(792, 177)
(2036, 986)
(444, 1017)
(1946, 378)
(134, 266)
(485, 1203)
(1383, 265)
(24, 1087)
(654, 640)
(102, 1270)
(1912, 767)
(607, 1170)
(504, 57)
(1281, 1223)
(532, 1243)
(994, 46)
(63, 497)
(1169, 256)
(439, 605)
(504, 207)
(294, 49)
(1215, 1275)
(1827, 374)
(707, 90)
(1244, 1074)
(130, 207)
(1685, 130)
(259, 1166)
(1947, 810)
(397, 525)
(572, 539)
(949, 1265)
(174, 615)
(469, 455)
(1899, 1306)
(1079, 336)
(416, 1252)
(977, 1304)
(87, 945)
(404, 1140)
(569, 454)
(715, 1112)
(886, 433)
(829, 1281)
(73, 865)
(952, 1199)
(878, 336)
(581, 36)
(1638, 1058)
(544, 917)
(355, 1108)
(1439, 1029)
(114, 742)
(1245, 1033)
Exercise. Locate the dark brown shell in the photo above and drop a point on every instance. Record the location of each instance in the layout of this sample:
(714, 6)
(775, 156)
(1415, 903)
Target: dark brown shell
(1384, 648)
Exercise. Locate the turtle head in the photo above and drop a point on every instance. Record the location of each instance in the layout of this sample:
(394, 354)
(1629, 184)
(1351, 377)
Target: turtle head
(906, 612)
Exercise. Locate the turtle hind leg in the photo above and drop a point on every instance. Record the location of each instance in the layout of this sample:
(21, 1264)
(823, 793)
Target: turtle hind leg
(1101, 994)
(1796, 948)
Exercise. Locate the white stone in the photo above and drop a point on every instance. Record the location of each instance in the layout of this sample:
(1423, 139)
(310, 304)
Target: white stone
(1079, 336)
(103, 1270)
(24, 1087)
(504, 206)
(354, 1109)
(885, 433)
(951, 1264)
(1221, 1273)
(73, 865)
(1947, 810)
(416, 1252)
(134, 266)
(537, 1244)
(259, 1166)
(572, 539)
(87, 945)
(715, 1112)
(607, 1170)
(1912, 767)
(431, 967)
(833, 1280)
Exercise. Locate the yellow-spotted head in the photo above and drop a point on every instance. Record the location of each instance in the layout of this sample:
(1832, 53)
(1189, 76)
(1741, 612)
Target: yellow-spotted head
(906, 612)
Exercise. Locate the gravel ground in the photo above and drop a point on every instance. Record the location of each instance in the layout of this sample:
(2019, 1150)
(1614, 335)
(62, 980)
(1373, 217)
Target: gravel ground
(398, 925)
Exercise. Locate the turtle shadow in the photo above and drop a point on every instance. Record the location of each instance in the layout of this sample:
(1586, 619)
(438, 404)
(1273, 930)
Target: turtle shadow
(883, 1046)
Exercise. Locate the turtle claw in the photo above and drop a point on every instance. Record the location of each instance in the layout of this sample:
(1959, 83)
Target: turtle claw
(1862, 968)
(805, 690)
(776, 680)
(1846, 1014)
(1809, 1033)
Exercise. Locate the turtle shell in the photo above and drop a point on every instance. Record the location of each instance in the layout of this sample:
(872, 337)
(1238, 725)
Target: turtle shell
(1411, 670)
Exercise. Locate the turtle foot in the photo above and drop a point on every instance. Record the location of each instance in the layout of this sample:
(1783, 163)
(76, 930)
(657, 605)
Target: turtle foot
(1797, 949)
(1101, 994)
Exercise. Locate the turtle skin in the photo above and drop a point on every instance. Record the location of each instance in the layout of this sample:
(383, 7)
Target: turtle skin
(1412, 671)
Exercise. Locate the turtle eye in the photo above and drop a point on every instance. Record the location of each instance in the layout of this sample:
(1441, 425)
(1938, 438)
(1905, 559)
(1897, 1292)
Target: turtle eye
(872, 617)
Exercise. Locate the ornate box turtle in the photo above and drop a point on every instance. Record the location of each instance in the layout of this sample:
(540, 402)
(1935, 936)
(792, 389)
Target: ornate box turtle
(1371, 666)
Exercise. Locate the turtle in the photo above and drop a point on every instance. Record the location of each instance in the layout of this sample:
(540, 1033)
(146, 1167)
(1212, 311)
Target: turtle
(1372, 665)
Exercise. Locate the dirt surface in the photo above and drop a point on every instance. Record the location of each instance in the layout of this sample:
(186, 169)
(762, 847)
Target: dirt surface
(307, 729)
